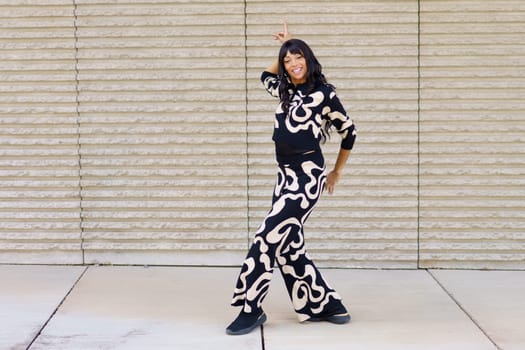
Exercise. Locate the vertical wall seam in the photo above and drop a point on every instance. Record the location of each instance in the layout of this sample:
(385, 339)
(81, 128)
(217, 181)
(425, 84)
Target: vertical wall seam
(246, 125)
(418, 129)
(79, 144)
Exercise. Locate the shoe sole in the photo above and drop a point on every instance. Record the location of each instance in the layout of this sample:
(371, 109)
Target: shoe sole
(257, 323)
(336, 319)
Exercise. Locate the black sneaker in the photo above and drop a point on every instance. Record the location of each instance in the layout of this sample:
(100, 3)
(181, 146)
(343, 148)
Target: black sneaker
(337, 315)
(337, 319)
(245, 323)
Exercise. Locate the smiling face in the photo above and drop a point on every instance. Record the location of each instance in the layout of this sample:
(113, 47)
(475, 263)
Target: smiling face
(295, 66)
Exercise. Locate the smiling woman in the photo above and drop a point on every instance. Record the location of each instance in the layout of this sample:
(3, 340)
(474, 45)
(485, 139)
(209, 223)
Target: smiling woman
(308, 108)
(295, 65)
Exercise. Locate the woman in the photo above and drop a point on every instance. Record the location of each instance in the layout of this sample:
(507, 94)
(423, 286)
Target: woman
(308, 108)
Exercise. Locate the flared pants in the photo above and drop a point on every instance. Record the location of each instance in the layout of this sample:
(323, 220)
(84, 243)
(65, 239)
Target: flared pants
(280, 240)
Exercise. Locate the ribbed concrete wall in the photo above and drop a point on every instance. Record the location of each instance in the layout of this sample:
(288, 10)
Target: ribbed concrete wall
(472, 144)
(138, 132)
(369, 52)
(163, 131)
(39, 163)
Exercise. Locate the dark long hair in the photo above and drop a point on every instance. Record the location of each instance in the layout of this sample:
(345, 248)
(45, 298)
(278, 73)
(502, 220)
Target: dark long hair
(314, 74)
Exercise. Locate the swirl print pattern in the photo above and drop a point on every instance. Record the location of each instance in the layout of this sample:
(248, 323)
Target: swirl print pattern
(280, 240)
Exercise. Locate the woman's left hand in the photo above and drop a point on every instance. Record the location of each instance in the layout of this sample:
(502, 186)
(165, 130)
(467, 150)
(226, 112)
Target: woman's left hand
(331, 180)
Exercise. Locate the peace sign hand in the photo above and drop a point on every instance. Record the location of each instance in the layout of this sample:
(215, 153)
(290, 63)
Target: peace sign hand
(284, 35)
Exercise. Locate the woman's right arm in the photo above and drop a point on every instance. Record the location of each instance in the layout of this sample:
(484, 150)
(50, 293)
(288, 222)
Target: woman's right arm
(274, 67)
(282, 37)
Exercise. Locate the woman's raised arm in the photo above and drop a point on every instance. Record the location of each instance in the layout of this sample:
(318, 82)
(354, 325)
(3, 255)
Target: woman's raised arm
(281, 37)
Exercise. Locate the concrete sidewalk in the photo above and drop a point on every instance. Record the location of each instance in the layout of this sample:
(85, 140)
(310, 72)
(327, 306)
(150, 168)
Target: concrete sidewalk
(78, 307)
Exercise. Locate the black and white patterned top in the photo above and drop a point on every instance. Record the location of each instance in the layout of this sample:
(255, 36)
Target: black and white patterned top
(303, 127)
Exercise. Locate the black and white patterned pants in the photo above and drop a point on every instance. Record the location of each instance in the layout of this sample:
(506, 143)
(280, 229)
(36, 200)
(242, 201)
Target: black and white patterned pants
(280, 240)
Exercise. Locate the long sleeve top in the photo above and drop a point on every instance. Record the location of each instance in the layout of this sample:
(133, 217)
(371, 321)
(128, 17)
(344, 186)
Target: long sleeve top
(303, 127)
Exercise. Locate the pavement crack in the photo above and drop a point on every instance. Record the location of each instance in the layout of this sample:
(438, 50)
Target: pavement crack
(262, 338)
(464, 310)
(56, 309)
